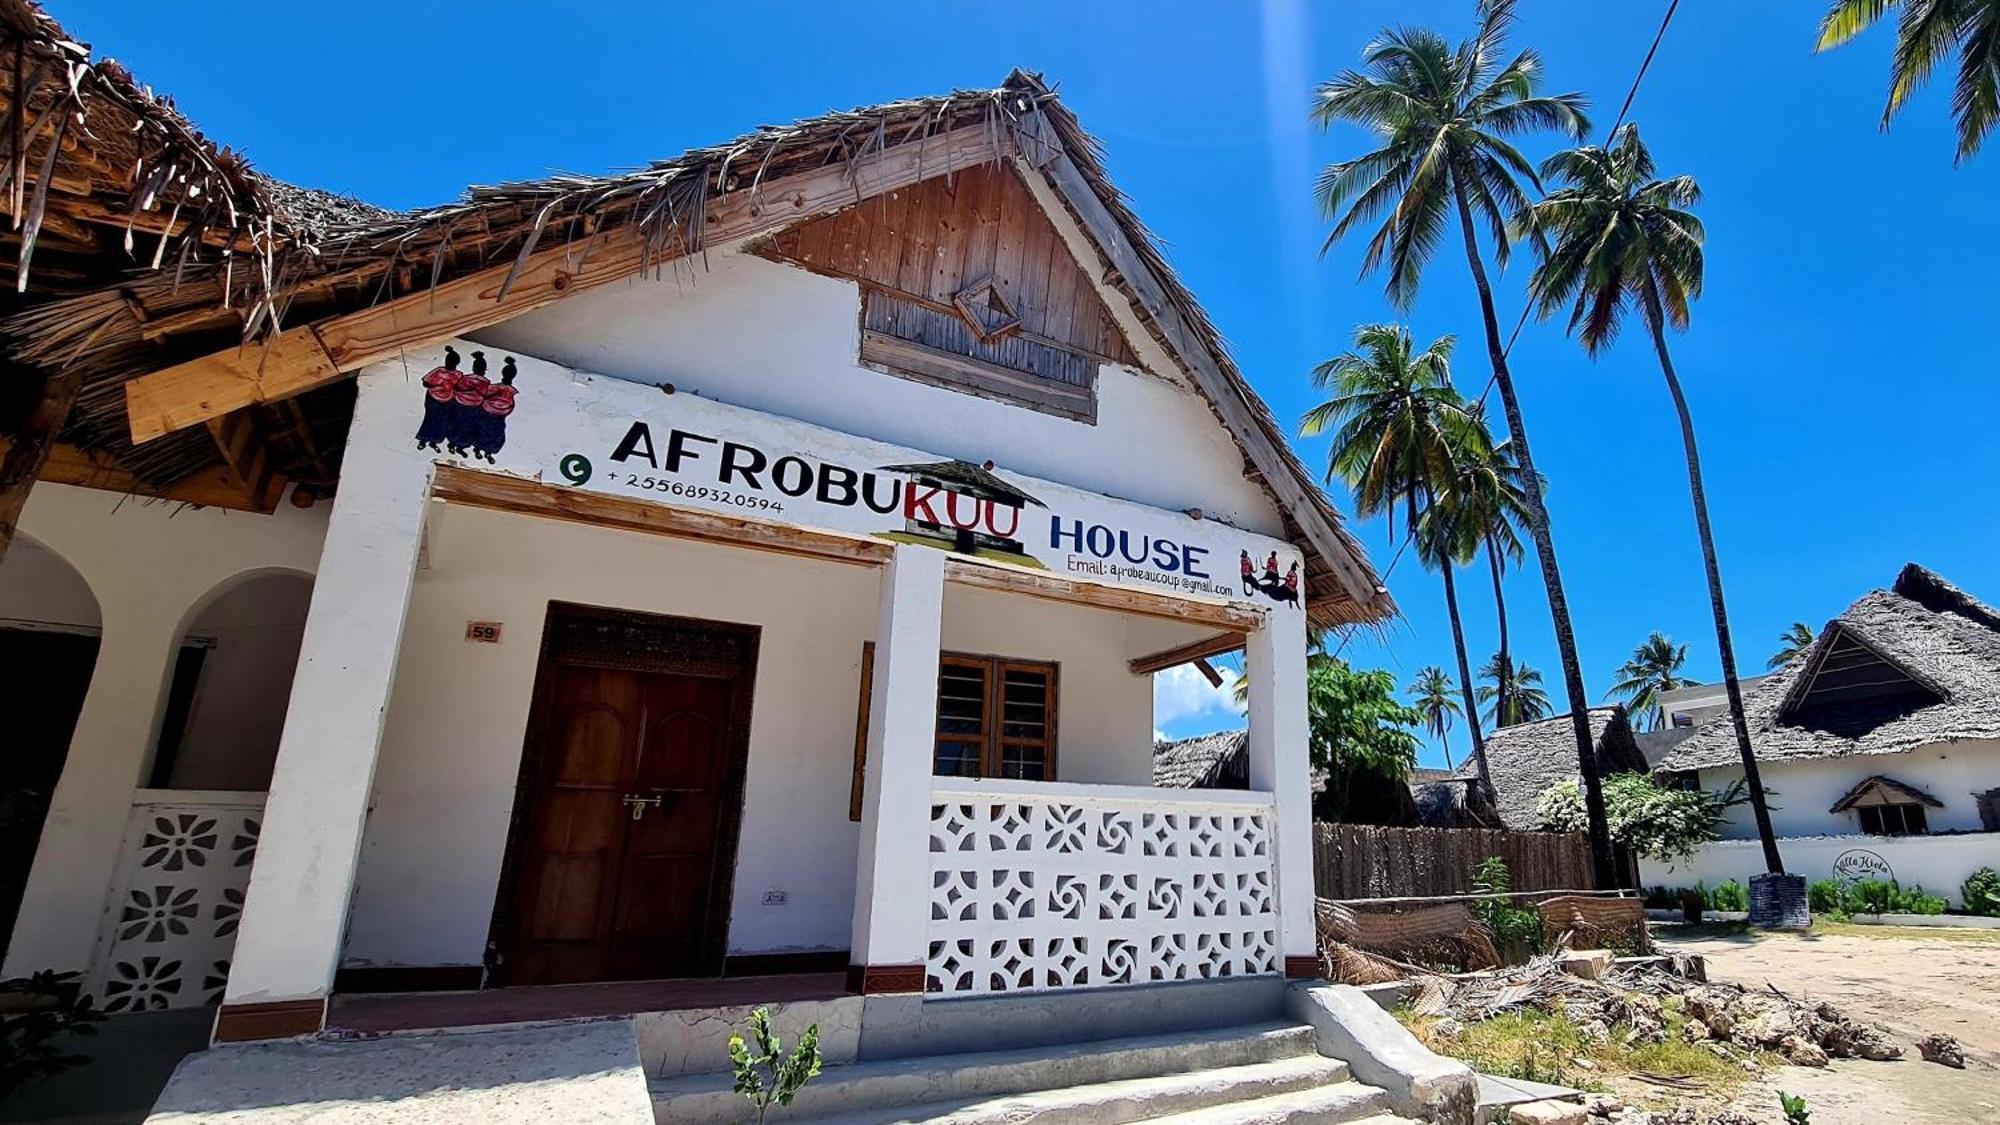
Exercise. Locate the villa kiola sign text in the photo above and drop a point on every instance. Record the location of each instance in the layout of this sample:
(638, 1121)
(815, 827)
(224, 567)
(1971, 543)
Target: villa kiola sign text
(629, 439)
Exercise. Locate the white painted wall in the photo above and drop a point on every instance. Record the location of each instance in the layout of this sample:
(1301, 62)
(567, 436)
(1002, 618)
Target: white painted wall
(246, 680)
(1803, 792)
(152, 568)
(39, 589)
(1939, 864)
(450, 756)
(759, 334)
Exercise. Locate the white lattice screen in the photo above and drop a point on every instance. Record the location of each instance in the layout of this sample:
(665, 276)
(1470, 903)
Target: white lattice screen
(170, 927)
(1040, 886)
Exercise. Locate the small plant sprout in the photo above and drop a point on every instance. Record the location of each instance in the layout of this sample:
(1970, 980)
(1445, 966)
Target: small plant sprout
(764, 1072)
(1794, 1105)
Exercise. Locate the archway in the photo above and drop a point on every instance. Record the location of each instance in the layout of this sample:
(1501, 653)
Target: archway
(230, 684)
(49, 627)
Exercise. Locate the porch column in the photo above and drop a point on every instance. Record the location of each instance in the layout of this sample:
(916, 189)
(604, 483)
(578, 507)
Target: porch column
(65, 900)
(295, 911)
(1275, 661)
(892, 893)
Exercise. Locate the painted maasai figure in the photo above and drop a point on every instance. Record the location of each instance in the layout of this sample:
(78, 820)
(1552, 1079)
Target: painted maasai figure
(467, 407)
(1270, 564)
(439, 387)
(1249, 574)
(1292, 584)
(490, 431)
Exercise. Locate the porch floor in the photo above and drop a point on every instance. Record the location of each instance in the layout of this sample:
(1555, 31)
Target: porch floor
(408, 1011)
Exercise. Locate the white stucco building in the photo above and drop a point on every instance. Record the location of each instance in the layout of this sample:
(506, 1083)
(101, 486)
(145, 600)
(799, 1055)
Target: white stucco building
(762, 571)
(1879, 747)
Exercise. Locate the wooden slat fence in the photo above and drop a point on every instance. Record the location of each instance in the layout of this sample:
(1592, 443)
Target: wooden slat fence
(1359, 861)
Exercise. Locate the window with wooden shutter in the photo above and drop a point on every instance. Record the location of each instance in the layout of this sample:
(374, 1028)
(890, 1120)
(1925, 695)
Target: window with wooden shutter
(995, 718)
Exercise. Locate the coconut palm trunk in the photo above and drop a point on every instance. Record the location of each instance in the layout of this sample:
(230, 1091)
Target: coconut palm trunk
(1494, 563)
(1464, 670)
(1603, 861)
(1751, 779)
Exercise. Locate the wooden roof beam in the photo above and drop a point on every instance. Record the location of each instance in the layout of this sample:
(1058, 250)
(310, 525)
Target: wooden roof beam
(308, 356)
(1199, 650)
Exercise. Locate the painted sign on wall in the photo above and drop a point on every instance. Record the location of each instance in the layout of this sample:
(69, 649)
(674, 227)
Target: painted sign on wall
(630, 439)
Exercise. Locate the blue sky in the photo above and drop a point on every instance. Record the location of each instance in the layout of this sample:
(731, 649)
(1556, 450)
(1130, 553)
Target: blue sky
(1840, 365)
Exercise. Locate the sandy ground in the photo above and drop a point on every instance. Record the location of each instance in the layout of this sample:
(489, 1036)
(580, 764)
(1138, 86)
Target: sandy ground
(1911, 985)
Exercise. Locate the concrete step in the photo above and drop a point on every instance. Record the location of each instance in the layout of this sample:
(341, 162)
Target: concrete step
(899, 1084)
(1346, 1102)
(1111, 1103)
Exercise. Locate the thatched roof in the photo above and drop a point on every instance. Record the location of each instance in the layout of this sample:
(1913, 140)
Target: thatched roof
(326, 256)
(1526, 759)
(1945, 641)
(1200, 762)
(108, 168)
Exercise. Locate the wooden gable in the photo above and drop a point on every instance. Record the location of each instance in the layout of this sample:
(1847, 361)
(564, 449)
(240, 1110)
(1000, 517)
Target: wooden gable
(1845, 670)
(967, 284)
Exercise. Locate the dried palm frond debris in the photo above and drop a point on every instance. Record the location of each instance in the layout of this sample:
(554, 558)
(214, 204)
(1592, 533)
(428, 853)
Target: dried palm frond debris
(1632, 1003)
(1359, 943)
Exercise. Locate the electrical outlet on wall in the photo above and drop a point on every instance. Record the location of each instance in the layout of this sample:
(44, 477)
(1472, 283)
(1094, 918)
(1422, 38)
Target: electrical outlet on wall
(774, 898)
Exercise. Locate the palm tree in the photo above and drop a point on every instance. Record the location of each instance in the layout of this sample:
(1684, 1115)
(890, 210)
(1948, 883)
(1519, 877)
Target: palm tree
(1928, 31)
(1489, 487)
(1655, 667)
(1792, 644)
(1618, 237)
(1447, 538)
(1516, 696)
(1430, 693)
(1399, 432)
(1443, 115)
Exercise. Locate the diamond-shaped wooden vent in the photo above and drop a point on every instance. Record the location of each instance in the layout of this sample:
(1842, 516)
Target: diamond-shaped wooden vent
(989, 314)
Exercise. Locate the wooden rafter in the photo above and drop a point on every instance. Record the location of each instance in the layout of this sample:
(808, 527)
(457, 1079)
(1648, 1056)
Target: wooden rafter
(214, 487)
(308, 356)
(1182, 654)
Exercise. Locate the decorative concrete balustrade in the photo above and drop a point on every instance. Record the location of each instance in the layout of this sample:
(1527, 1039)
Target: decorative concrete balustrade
(1040, 886)
(171, 927)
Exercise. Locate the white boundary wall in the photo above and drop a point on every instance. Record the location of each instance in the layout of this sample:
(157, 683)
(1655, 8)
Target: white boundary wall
(1937, 863)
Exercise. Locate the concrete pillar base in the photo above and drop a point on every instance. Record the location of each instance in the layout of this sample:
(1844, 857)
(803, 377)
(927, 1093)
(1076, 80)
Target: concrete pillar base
(1778, 902)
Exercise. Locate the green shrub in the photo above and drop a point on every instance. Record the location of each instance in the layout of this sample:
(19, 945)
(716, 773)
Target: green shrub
(1981, 892)
(1824, 896)
(1915, 901)
(1513, 927)
(1871, 896)
(1658, 822)
(765, 1073)
(1731, 895)
(1796, 1110)
(1886, 896)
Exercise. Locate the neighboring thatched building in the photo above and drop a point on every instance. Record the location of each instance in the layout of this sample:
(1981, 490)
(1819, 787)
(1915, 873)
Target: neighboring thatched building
(1209, 761)
(1902, 687)
(1526, 759)
(1880, 746)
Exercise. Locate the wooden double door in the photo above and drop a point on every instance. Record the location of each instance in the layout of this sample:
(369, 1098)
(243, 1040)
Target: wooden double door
(630, 801)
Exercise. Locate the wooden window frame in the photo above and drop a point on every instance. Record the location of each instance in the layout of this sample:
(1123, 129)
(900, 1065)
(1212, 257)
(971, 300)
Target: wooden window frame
(1910, 818)
(992, 741)
(907, 359)
(858, 784)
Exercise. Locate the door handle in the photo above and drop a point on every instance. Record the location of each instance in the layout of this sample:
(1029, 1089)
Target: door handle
(639, 804)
